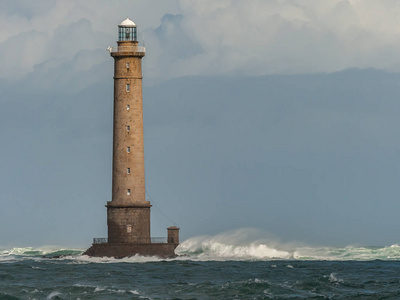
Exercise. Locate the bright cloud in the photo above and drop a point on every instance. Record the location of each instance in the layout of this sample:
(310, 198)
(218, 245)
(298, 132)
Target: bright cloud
(265, 37)
(41, 31)
(207, 37)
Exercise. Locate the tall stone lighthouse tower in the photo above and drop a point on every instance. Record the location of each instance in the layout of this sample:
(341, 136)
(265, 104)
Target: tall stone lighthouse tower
(128, 212)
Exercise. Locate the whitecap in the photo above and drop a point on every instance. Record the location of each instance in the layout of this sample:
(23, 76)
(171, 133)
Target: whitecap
(53, 294)
(229, 247)
(99, 289)
(332, 278)
(116, 291)
(242, 244)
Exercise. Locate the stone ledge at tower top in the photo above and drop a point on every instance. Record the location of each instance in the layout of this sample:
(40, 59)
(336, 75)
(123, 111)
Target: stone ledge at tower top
(123, 205)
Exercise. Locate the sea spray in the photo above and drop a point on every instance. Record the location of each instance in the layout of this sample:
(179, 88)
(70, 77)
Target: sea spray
(356, 253)
(209, 249)
(253, 244)
(40, 251)
(241, 245)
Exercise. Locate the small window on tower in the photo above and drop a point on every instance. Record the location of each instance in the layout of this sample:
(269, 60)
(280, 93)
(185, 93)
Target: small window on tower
(128, 170)
(128, 87)
(128, 192)
(128, 107)
(127, 65)
(128, 128)
(128, 228)
(128, 149)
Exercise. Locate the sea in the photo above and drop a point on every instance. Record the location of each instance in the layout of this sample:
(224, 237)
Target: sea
(206, 268)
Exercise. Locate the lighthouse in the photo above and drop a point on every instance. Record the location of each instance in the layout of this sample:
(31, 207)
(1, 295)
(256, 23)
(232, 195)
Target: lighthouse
(128, 212)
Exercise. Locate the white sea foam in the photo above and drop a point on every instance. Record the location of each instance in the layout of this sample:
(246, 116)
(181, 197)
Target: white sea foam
(53, 294)
(84, 259)
(348, 253)
(213, 250)
(84, 285)
(235, 246)
(333, 278)
(244, 244)
(116, 291)
(39, 251)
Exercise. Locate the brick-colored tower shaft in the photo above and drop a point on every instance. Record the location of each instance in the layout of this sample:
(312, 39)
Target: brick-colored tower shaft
(128, 151)
(128, 214)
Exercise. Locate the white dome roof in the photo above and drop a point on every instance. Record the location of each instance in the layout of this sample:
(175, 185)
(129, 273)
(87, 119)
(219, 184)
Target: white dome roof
(127, 23)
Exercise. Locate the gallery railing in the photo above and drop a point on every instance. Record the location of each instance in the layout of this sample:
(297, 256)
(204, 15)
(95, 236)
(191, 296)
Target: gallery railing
(133, 48)
(139, 240)
(100, 240)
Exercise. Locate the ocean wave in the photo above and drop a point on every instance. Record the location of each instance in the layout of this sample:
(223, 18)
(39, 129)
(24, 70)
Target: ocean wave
(84, 259)
(203, 248)
(50, 251)
(348, 253)
(248, 244)
(238, 245)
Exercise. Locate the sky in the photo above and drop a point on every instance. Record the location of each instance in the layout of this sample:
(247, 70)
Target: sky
(276, 115)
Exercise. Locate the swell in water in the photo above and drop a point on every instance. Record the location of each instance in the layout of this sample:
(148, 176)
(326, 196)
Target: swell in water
(240, 245)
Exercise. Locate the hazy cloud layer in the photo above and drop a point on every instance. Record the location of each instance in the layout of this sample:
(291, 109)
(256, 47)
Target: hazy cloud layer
(36, 33)
(208, 37)
(269, 37)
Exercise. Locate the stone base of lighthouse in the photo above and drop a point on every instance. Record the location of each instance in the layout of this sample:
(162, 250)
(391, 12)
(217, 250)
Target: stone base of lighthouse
(128, 223)
(149, 247)
(129, 234)
(120, 250)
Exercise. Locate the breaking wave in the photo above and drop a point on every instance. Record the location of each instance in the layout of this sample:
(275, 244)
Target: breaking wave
(200, 249)
(239, 245)
(246, 244)
(236, 245)
(45, 251)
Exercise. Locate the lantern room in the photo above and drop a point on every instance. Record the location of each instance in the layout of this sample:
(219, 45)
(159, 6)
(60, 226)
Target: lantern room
(127, 31)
